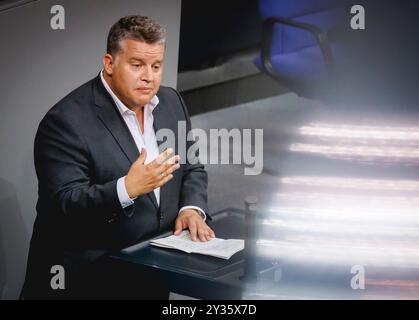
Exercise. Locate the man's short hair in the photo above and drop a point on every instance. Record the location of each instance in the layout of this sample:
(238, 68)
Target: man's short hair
(135, 28)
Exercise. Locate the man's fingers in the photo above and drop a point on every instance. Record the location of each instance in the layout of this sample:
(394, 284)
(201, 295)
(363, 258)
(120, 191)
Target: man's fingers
(193, 231)
(178, 227)
(164, 156)
(207, 235)
(169, 163)
(166, 175)
(164, 180)
(169, 170)
(202, 233)
(173, 160)
(211, 232)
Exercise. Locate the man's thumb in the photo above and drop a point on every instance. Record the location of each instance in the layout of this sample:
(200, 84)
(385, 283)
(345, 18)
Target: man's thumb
(142, 156)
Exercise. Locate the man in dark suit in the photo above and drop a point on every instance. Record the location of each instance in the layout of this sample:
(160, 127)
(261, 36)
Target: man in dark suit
(103, 182)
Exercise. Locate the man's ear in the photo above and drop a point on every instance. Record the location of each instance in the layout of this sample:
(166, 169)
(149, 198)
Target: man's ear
(108, 63)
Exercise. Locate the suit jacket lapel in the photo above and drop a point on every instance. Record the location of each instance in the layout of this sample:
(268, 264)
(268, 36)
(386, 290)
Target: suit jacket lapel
(113, 121)
(163, 120)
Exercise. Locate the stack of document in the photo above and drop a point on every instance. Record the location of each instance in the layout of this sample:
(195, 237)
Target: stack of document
(216, 247)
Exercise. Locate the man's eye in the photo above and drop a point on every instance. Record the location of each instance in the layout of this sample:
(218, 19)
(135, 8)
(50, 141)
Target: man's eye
(157, 67)
(136, 65)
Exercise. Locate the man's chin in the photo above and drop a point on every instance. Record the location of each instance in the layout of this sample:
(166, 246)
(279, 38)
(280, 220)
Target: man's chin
(143, 100)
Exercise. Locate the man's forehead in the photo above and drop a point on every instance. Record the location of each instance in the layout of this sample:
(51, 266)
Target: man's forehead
(138, 49)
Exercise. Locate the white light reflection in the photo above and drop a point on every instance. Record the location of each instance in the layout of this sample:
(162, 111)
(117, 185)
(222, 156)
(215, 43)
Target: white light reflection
(352, 183)
(314, 199)
(358, 151)
(361, 132)
(360, 143)
(331, 227)
(337, 254)
(294, 226)
(344, 221)
(354, 214)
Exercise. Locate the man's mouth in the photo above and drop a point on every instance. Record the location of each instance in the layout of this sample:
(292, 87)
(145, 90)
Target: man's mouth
(144, 90)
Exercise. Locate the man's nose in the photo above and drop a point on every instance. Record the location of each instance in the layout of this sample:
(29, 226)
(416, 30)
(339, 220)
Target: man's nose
(147, 74)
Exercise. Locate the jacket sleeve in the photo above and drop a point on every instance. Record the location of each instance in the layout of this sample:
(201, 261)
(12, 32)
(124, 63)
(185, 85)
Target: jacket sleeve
(62, 164)
(195, 178)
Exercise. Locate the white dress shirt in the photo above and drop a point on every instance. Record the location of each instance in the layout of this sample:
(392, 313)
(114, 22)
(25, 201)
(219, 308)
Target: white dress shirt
(146, 140)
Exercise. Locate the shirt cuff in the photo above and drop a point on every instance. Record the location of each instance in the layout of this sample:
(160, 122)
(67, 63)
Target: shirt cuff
(123, 196)
(202, 213)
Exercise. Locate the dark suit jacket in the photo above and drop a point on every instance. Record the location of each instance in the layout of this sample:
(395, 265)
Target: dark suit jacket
(82, 147)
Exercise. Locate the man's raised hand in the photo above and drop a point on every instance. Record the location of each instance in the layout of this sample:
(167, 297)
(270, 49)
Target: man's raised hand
(143, 178)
